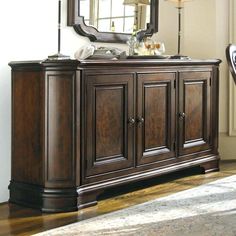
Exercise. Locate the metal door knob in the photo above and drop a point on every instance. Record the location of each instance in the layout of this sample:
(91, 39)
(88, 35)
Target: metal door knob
(140, 120)
(182, 115)
(131, 121)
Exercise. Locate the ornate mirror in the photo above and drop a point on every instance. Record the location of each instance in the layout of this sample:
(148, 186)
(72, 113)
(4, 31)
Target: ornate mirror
(113, 20)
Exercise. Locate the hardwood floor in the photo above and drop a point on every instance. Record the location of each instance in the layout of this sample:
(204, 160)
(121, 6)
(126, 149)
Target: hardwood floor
(17, 220)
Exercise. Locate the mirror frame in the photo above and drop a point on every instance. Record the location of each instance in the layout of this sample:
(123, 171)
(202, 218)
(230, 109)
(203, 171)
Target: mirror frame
(77, 21)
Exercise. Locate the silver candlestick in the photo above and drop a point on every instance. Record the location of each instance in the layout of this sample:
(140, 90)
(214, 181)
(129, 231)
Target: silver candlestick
(58, 55)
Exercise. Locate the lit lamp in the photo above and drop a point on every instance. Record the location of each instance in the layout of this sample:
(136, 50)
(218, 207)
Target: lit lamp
(58, 55)
(179, 6)
(136, 4)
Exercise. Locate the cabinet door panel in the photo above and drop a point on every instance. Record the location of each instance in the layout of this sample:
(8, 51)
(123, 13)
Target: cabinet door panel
(194, 112)
(109, 137)
(156, 106)
(109, 121)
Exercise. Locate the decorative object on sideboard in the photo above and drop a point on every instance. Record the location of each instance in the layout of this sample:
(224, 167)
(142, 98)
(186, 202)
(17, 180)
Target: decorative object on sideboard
(153, 46)
(90, 51)
(149, 46)
(58, 55)
(84, 52)
(179, 6)
(133, 44)
(133, 41)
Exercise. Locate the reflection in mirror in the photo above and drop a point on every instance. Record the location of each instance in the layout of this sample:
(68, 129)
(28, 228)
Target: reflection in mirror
(113, 20)
(121, 16)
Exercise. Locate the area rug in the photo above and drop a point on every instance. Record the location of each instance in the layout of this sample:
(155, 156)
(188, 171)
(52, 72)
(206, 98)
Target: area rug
(206, 210)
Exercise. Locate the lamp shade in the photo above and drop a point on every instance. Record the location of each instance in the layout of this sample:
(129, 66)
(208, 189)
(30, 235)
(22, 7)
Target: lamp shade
(136, 2)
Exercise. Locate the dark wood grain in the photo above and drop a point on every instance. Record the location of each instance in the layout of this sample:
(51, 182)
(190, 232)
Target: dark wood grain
(194, 110)
(43, 156)
(156, 104)
(26, 125)
(60, 127)
(196, 105)
(81, 127)
(109, 121)
(109, 137)
(155, 115)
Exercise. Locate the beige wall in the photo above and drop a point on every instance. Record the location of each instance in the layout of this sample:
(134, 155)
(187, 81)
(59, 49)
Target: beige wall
(206, 34)
(168, 26)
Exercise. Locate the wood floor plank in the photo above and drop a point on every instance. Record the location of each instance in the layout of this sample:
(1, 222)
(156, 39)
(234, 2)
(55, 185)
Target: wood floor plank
(17, 220)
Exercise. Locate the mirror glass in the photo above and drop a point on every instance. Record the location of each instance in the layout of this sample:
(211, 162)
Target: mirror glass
(118, 16)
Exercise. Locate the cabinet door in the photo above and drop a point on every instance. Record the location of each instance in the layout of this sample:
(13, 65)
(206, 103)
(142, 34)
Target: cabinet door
(155, 117)
(194, 112)
(109, 123)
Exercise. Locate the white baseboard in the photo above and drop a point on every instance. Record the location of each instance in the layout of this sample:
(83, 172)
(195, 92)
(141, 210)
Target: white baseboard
(227, 146)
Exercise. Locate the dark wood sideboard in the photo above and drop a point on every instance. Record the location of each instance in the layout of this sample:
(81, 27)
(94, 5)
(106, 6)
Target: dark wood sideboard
(81, 127)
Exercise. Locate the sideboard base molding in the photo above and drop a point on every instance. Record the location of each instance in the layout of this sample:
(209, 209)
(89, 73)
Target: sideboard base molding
(210, 166)
(65, 200)
(46, 200)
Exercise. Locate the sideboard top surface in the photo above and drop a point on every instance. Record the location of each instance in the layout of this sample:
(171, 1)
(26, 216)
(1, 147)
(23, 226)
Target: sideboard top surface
(41, 64)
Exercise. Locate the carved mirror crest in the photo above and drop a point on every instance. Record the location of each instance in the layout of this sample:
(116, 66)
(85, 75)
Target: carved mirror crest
(113, 20)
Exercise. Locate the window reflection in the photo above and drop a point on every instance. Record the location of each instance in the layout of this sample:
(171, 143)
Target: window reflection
(113, 15)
